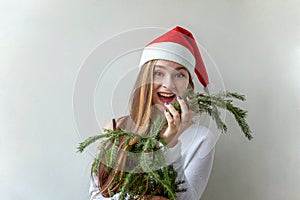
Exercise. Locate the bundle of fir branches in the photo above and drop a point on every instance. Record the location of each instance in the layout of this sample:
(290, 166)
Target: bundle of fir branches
(149, 176)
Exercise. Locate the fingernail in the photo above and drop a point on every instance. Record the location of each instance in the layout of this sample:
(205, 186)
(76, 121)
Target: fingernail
(166, 103)
(179, 97)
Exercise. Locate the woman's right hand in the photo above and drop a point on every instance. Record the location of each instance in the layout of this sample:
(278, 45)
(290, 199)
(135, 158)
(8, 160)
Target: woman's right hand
(177, 122)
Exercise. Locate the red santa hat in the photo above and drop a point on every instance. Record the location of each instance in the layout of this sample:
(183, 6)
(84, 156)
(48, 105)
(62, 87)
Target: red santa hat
(177, 45)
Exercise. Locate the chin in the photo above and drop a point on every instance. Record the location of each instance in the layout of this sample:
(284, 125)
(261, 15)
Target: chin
(160, 107)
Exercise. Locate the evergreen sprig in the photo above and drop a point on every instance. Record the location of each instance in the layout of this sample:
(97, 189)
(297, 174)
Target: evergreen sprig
(145, 178)
(210, 104)
(149, 177)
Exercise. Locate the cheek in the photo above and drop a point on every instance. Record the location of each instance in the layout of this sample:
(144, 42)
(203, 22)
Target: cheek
(155, 86)
(182, 87)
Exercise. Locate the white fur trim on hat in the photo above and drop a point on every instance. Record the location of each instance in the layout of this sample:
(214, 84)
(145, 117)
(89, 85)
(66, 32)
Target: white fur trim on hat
(169, 51)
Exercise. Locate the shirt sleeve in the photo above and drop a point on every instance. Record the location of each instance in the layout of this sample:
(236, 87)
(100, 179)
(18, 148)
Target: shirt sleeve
(193, 166)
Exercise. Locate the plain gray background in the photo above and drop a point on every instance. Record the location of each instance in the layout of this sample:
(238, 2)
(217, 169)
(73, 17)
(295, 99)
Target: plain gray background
(45, 44)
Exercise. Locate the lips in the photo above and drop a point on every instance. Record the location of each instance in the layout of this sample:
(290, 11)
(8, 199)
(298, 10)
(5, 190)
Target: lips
(165, 97)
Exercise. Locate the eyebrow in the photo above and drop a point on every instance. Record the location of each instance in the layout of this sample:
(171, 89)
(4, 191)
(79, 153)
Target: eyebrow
(177, 68)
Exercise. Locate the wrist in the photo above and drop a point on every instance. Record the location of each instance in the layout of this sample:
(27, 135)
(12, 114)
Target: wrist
(172, 143)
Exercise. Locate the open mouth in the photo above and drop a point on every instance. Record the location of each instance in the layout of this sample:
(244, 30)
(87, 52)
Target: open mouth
(166, 97)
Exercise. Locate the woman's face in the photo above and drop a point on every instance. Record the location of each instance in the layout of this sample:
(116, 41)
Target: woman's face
(170, 80)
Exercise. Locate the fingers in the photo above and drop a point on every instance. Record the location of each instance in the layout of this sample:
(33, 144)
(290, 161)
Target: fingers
(183, 105)
(172, 115)
(175, 117)
(169, 118)
(186, 114)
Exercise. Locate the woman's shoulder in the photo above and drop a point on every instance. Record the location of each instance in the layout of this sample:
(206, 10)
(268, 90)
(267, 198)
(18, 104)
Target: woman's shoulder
(116, 122)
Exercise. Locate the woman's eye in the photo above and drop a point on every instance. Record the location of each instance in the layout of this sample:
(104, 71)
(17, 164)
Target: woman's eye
(179, 75)
(158, 74)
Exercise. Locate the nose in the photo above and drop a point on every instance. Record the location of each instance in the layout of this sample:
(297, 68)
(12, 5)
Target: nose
(168, 82)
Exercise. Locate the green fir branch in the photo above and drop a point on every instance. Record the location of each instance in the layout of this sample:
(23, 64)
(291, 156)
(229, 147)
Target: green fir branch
(211, 103)
(162, 181)
(89, 141)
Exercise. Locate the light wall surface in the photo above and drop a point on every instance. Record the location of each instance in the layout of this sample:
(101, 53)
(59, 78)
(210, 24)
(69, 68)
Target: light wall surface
(49, 98)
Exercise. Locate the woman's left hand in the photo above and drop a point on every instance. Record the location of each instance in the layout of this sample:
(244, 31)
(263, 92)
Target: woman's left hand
(176, 123)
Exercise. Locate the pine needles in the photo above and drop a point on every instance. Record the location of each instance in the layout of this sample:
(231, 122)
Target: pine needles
(211, 103)
(145, 172)
(141, 159)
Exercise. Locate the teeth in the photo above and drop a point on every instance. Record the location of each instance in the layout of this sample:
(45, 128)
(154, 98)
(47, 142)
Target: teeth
(166, 95)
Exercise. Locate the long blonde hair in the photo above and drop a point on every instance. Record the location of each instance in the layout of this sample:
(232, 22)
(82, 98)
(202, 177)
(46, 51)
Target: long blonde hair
(141, 103)
(141, 98)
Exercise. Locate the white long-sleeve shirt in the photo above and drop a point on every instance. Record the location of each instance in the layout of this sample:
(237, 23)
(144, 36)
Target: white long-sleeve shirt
(192, 157)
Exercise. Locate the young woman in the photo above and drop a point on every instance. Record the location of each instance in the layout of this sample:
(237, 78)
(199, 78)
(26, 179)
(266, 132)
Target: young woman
(168, 65)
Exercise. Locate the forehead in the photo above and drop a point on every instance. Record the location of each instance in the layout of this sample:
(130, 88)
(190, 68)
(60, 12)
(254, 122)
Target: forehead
(169, 65)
